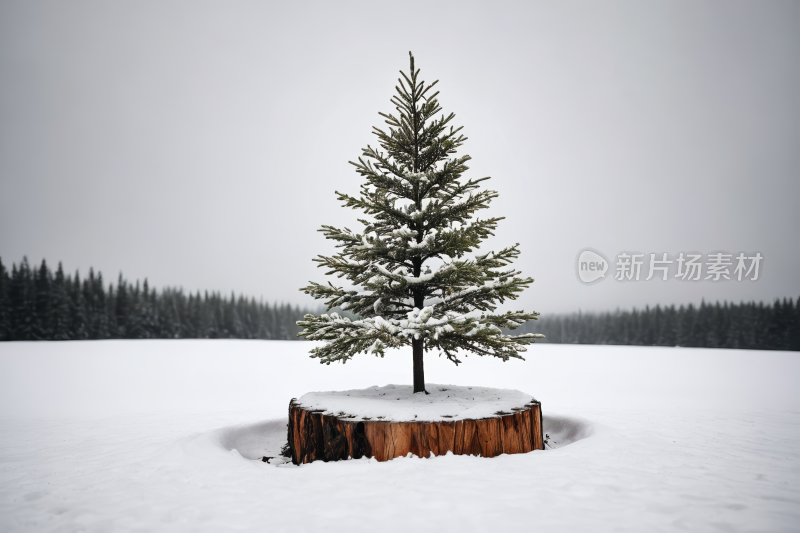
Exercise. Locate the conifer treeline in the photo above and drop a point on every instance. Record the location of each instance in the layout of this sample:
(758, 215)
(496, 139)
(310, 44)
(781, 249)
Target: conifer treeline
(747, 326)
(38, 304)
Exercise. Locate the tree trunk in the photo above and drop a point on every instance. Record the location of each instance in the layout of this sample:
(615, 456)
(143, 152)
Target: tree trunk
(314, 436)
(419, 368)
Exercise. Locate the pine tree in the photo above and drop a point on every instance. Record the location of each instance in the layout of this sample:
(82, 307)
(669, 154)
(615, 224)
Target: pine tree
(23, 302)
(110, 313)
(418, 286)
(235, 326)
(794, 334)
(78, 320)
(60, 308)
(43, 297)
(90, 300)
(267, 322)
(136, 320)
(5, 304)
(148, 319)
(121, 308)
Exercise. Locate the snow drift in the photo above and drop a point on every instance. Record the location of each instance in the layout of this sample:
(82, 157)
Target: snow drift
(165, 436)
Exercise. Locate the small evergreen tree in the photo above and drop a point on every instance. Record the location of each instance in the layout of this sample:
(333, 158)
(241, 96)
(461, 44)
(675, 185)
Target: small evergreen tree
(418, 286)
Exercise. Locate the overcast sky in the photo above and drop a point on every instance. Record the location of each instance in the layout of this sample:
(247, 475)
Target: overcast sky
(199, 144)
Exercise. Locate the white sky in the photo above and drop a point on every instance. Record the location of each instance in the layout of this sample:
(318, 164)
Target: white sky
(199, 144)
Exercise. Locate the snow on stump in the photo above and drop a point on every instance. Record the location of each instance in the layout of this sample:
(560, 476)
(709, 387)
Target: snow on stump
(391, 421)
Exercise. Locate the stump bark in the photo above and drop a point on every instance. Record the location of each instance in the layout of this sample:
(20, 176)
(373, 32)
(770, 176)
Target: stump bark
(315, 436)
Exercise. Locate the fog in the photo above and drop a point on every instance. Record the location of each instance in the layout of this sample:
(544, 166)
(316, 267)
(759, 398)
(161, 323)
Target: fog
(199, 144)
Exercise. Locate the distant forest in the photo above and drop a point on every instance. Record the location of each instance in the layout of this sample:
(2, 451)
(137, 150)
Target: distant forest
(748, 326)
(39, 304)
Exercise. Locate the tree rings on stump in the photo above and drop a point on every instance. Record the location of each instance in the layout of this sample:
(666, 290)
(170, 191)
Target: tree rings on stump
(388, 422)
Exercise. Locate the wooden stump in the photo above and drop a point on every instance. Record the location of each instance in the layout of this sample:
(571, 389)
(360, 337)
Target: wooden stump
(314, 436)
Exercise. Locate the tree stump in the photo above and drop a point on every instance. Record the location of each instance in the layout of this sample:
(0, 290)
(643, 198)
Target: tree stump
(316, 433)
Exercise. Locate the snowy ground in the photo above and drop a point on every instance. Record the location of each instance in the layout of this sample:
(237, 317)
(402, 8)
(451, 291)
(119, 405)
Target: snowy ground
(160, 436)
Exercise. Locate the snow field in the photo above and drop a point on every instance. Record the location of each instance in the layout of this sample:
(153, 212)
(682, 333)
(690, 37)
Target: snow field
(162, 436)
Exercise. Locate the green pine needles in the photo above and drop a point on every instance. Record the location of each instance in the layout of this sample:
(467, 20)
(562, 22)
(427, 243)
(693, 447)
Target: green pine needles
(418, 286)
